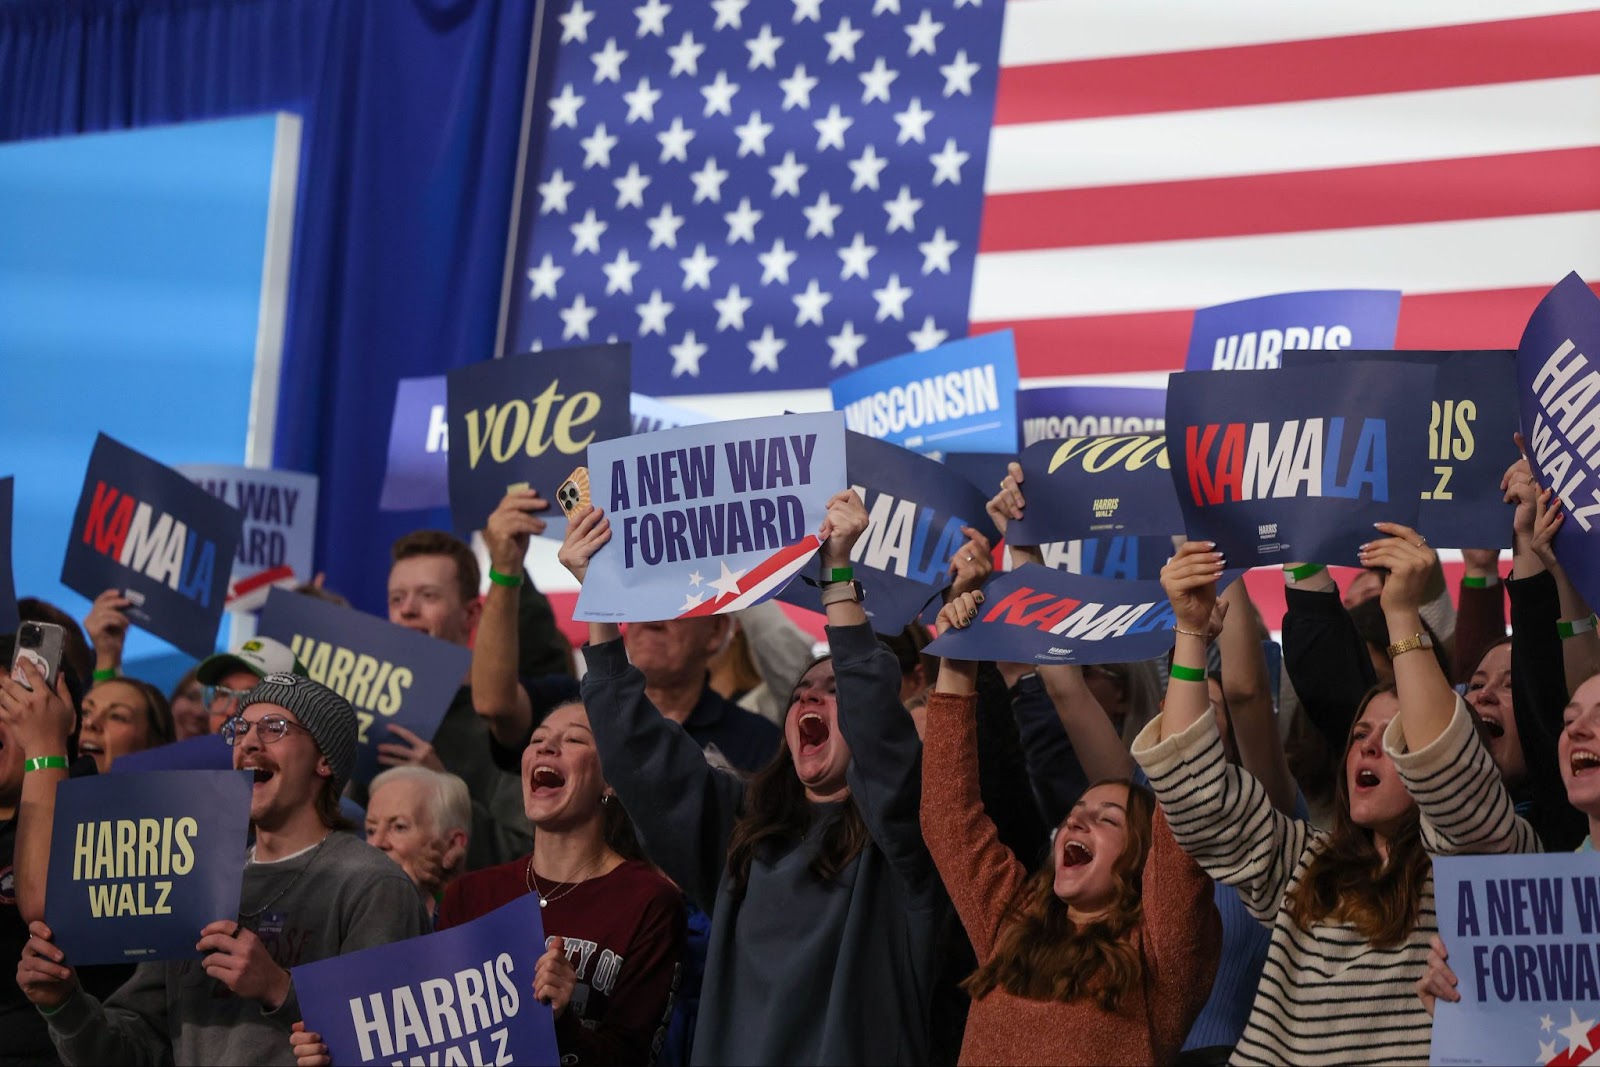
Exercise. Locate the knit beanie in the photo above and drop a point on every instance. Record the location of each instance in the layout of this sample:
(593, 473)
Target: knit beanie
(327, 717)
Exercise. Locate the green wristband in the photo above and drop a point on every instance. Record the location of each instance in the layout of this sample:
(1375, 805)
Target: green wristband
(1188, 674)
(1304, 571)
(104, 674)
(47, 1012)
(40, 763)
(1575, 627)
(510, 581)
(838, 574)
(1473, 581)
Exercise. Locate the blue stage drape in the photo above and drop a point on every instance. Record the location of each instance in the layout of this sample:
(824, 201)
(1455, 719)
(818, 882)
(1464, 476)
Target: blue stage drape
(412, 114)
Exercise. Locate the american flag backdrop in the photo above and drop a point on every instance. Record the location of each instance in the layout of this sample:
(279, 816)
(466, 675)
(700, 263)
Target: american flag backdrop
(1140, 159)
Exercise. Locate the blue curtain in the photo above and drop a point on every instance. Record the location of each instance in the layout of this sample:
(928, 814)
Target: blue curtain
(412, 114)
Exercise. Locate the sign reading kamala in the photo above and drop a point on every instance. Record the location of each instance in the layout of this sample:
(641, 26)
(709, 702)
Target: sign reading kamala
(707, 519)
(1252, 334)
(1095, 486)
(418, 472)
(1524, 939)
(460, 996)
(1035, 614)
(388, 673)
(528, 419)
(1558, 383)
(1056, 412)
(146, 529)
(958, 396)
(139, 884)
(1469, 441)
(1109, 557)
(9, 620)
(915, 513)
(280, 526)
(1298, 464)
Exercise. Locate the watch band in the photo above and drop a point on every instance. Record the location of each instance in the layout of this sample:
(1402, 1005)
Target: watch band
(841, 591)
(1410, 644)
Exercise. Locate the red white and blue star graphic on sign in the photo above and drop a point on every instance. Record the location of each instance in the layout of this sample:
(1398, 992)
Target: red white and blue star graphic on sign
(759, 196)
(1577, 1042)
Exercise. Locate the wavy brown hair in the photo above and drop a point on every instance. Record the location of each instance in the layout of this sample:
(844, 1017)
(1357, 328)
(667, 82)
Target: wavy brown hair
(777, 815)
(1041, 954)
(1348, 880)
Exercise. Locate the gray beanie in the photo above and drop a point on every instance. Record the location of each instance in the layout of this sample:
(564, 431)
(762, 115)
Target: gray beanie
(327, 717)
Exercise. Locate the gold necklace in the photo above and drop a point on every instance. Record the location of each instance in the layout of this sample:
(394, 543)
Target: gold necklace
(544, 901)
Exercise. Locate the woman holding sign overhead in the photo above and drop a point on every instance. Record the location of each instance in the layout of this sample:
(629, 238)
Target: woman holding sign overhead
(824, 903)
(1351, 908)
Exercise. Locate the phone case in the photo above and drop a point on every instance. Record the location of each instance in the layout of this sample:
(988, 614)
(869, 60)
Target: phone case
(47, 657)
(573, 496)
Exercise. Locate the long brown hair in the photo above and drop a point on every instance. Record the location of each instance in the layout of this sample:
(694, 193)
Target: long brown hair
(1348, 880)
(1041, 954)
(777, 815)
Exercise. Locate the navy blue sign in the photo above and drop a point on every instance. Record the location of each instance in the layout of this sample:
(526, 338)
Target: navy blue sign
(418, 472)
(463, 995)
(528, 420)
(9, 620)
(1469, 441)
(388, 673)
(916, 512)
(1109, 557)
(1285, 465)
(208, 752)
(1253, 334)
(1056, 412)
(166, 542)
(1097, 487)
(140, 863)
(983, 469)
(1558, 384)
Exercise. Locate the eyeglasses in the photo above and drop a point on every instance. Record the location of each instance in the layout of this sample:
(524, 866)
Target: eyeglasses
(216, 693)
(270, 728)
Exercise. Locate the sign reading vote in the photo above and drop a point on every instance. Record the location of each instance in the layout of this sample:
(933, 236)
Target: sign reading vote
(1253, 334)
(1469, 441)
(1035, 614)
(1056, 412)
(168, 544)
(960, 396)
(1558, 385)
(915, 514)
(1523, 934)
(280, 526)
(460, 996)
(707, 519)
(388, 673)
(418, 472)
(1097, 486)
(139, 863)
(9, 620)
(528, 419)
(1285, 465)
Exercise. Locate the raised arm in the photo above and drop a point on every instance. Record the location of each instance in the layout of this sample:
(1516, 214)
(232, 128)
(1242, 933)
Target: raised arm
(496, 695)
(1481, 614)
(1099, 747)
(1324, 654)
(41, 723)
(1580, 641)
(1247, 687)
(1426, 700)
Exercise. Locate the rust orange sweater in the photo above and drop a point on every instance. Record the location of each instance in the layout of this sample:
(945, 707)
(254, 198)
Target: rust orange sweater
(1178, 937)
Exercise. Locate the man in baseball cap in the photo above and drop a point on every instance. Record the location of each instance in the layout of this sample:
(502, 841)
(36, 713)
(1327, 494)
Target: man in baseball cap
(228, 676)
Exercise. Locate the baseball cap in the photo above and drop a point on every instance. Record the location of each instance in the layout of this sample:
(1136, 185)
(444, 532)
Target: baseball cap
(260, 656)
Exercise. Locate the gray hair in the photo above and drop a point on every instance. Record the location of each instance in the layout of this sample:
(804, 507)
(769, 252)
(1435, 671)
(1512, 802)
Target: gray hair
(445, 796)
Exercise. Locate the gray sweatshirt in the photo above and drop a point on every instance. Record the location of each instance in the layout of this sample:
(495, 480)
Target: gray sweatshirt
(351, 896)
(799, 970)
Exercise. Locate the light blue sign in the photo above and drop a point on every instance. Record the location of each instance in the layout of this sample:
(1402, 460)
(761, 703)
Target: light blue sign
(959, 397)
(650, 414)
(1253, 334)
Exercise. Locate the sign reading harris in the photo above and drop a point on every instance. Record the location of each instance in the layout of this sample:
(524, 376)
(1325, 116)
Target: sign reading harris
(1056, 412)
(1298, 464)
(1253, 334)
(460, 996)
(1523, 934)
(1469, 441)
(139, 863)
(707, 519)
(418, 472)
(1097, 487)
(146, 529)
(959, 396)
(915, 513)
(528, 419)
(389, 674)
(280, 526)
(9, 620)
(1558, 384)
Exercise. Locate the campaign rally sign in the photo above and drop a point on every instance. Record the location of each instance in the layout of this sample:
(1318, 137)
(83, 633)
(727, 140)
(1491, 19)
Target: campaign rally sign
(9, 620)
(418, 472)
(1523, 934)
(168, 544)
(1253, 334)
(140, 863)
(459, 996)
(1558, 386)
(1123, 558)
(915, 513)
(527, 420)
(983, 469)
(650, 414)
(1297, 464)
(280, 526)
(1097, 487)
(707, 519)
(1037, 615)
(1056, 412)
(208, 752)
(1469, 441)
(388, 673)
(960, 396)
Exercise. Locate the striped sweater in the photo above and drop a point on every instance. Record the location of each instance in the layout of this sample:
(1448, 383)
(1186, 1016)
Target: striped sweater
(1326, 996)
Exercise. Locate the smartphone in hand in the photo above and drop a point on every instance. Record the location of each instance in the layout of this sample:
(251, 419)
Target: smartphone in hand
(42, 643)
